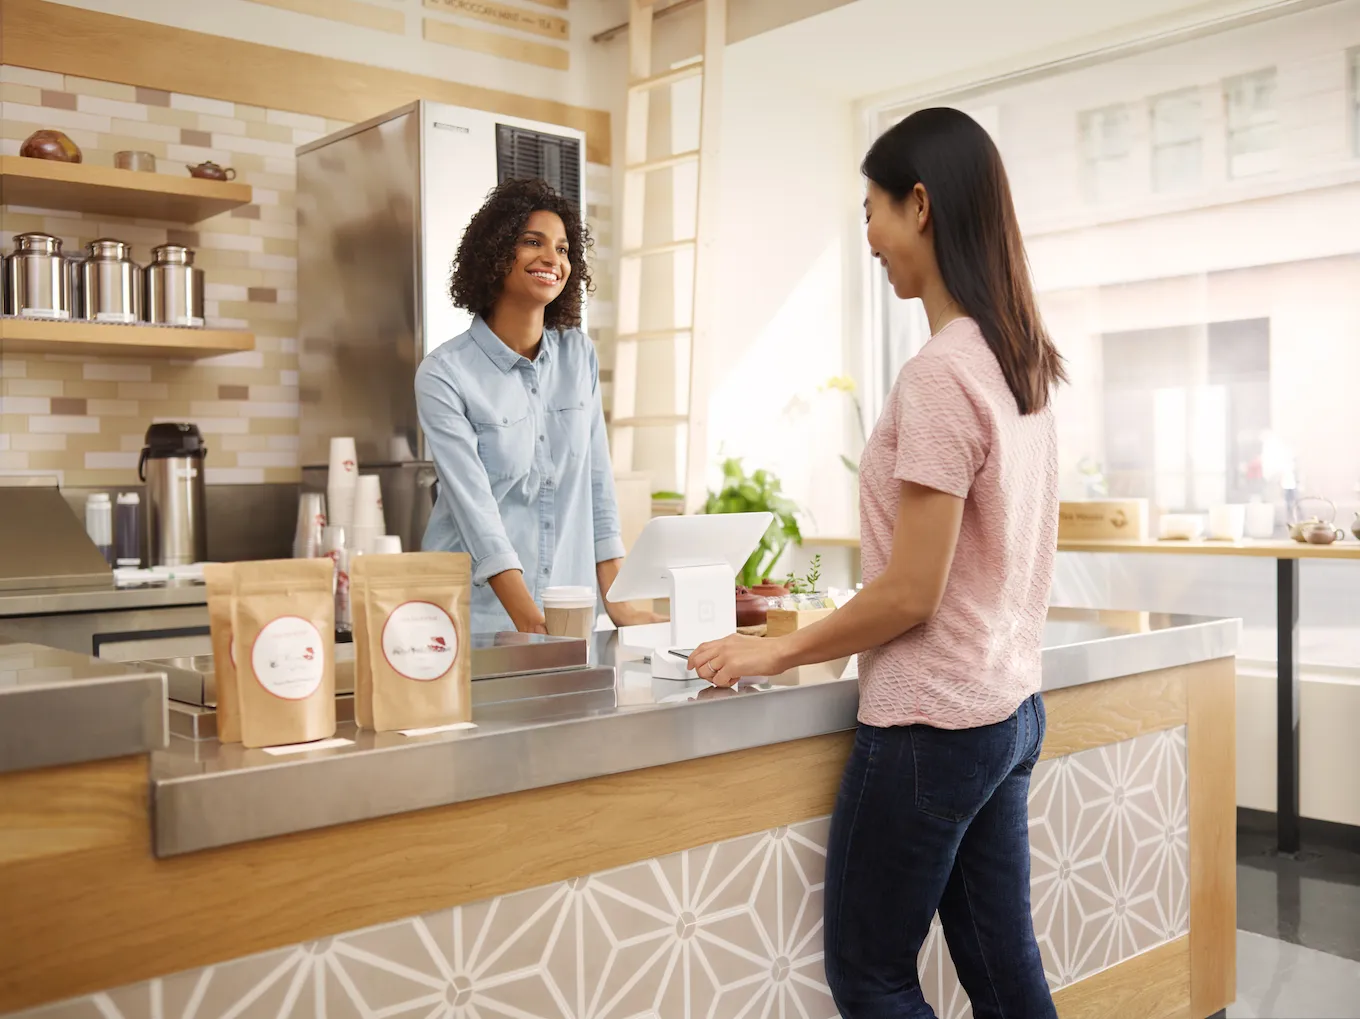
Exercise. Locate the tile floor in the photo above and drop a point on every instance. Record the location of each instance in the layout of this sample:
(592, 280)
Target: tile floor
(1298, 949)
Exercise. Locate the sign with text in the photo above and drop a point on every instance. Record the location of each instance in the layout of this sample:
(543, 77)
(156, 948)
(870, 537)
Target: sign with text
(503, 15)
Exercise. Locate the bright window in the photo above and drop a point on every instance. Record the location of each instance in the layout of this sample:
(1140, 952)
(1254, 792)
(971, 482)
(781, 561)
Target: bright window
(1107, 151)
(1253, 123)
(1177, 141)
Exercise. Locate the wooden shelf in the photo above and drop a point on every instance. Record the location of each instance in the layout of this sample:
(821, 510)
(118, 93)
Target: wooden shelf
(44, 336)
(106, 191)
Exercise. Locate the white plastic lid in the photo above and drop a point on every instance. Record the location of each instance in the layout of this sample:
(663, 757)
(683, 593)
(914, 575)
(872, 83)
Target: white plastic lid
(128, 498)
(98, 497)
(569, 598)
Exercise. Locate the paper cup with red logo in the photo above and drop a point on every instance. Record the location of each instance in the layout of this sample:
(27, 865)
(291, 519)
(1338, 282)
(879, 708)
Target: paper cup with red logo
(342, 478)
(569, 611)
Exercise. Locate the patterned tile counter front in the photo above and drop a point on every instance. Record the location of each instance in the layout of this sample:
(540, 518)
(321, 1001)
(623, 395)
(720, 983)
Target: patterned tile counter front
(1132, 888)
(730, 929)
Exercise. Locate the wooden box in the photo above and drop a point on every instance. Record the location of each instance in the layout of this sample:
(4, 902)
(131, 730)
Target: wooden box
(1103, 520)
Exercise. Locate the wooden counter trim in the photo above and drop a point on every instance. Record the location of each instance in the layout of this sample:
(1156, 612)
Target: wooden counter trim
(1095, 715)
(1259, 549)
(1211, 761)
(69, 40)
(83, 918)
(52, 812)
(1154, 985)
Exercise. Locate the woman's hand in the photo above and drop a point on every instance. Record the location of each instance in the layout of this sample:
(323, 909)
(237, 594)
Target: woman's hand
(723, 662)
(627, 614)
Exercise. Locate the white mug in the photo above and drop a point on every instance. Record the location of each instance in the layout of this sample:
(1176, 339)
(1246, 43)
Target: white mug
(1227, 522)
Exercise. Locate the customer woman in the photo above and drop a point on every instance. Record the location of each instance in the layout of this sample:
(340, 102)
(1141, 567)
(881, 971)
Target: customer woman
(958, 487)
(511, 410)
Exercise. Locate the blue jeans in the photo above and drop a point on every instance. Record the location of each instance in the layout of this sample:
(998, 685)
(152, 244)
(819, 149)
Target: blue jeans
(935, 819)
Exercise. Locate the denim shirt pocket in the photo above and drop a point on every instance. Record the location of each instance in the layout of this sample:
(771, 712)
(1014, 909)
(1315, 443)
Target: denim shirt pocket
(958, 769)
(569, 423)
(505, 446)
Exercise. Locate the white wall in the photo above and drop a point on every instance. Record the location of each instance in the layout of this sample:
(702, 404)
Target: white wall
(789, 212)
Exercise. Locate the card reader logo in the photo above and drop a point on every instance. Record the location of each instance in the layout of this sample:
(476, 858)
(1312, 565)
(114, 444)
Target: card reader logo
(706, 611)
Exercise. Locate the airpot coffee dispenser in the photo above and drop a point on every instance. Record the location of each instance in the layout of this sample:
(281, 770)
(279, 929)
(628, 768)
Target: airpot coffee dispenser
(171, 465)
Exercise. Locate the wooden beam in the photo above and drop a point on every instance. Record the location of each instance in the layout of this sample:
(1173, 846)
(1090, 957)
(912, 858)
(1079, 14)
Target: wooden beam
(1211, 760)
(70, 40)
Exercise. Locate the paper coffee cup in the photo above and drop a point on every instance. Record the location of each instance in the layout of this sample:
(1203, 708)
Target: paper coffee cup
(569, 611)
(387, 544)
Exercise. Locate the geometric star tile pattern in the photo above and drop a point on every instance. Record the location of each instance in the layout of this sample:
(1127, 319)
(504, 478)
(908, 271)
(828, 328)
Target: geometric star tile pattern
(726, 931)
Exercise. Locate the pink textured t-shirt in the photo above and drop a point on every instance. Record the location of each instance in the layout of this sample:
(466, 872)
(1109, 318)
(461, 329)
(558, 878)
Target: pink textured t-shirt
(951, 424)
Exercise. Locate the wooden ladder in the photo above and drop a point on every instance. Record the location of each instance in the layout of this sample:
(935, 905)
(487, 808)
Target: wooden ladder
(655, 319)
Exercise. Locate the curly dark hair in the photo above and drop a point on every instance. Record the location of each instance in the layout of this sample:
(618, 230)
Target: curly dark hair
(486, 253)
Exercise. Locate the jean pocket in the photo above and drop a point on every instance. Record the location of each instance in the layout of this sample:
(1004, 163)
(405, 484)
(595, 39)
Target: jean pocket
(957, 769)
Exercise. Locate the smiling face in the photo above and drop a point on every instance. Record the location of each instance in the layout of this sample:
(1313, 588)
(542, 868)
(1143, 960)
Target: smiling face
(900, 237)
(542, 266)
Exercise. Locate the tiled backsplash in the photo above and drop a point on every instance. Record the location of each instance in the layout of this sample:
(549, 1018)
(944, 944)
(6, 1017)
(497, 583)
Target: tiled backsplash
(83, 418)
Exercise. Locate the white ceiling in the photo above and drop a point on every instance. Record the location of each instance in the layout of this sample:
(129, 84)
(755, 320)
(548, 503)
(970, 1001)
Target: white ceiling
(870, 47)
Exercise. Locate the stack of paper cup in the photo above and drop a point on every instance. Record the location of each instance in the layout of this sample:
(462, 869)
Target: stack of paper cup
(341, 482)
(387, 544)
(368, 513)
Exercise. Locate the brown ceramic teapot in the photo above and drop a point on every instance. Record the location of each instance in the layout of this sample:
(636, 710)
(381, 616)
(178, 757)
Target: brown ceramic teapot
(211, 171)
(50, 145)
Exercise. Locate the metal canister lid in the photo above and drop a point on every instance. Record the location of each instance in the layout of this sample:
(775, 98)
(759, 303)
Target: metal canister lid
(38, 243)
(172, 254)
(109, 248)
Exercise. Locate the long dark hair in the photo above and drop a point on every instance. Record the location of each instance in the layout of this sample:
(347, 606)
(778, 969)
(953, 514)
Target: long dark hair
(977, 239)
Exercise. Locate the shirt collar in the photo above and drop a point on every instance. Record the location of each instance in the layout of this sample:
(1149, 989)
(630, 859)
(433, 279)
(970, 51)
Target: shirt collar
(502, 356)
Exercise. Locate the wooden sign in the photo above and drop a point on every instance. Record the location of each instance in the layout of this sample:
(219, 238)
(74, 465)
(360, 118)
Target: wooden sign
(1103, 520)
(497, 44)
(506, 17)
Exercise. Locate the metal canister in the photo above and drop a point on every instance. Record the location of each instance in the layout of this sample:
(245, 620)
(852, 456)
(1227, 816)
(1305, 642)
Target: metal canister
(110, 283)
(174, 288)
(37, 280)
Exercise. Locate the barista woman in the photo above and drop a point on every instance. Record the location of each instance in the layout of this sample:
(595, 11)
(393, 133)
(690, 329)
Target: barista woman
(511, 409)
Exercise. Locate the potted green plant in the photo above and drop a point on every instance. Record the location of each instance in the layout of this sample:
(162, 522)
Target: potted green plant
(758, 492)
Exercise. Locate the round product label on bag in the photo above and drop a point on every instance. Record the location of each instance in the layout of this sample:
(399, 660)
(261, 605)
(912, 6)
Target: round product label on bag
(420, 641)
(288, 658)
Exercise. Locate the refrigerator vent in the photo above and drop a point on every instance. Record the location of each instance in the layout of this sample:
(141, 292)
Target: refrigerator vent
(523, 153)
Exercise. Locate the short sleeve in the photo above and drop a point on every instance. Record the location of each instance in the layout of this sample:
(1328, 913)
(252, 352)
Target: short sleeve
(942, 439)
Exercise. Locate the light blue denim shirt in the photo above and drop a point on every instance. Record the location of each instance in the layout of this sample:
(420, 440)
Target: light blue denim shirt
(523, 462)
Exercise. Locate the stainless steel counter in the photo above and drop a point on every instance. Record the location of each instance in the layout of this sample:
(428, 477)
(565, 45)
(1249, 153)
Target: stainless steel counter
(105, 598)
(62, 708)
(208, 794)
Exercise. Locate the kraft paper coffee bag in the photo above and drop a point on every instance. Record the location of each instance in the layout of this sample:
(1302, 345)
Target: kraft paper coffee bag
(415, 640)
(283, 630)
(218, 579)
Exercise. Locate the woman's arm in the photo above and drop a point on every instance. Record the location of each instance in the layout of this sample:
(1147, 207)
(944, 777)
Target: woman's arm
(906, 595)
(463, 481)
(623, 613)
(519, 604)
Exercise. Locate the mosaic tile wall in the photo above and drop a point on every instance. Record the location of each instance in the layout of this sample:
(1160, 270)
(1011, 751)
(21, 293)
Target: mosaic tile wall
(84, 418)
(722, 931)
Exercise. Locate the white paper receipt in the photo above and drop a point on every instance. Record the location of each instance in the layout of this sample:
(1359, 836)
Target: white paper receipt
(438, 728)
(302, 748)
(289, 658)
(420, 641)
